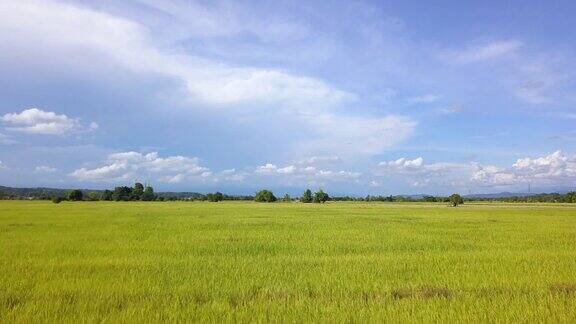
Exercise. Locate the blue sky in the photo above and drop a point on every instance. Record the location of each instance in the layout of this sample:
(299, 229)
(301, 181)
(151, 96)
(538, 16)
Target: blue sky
(355, 97)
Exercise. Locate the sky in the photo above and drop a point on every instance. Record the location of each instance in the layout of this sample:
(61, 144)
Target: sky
(354, 97)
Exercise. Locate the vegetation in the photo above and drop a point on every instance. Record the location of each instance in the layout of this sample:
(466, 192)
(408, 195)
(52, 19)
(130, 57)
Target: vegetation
(75, 195)
(57, 200)
(265, 196)
(307, 196)
(456, 199)
(148, 194)
(215, 197)
(320, 196)
(247, 262)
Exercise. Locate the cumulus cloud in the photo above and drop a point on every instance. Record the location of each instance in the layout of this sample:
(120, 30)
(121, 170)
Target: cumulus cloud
(404, 164)
(303, 174)
(420, 174)
(36, 121)
(556, 168)
(493, 176)
(126, 166)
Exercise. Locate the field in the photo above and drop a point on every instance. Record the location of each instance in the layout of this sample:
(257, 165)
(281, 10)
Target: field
(286, 262)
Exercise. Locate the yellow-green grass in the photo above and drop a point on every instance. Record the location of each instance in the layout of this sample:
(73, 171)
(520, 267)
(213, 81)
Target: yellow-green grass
(286, 262)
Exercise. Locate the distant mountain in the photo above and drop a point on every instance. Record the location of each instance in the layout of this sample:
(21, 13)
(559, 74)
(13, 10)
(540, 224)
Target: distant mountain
(499, 195)
(507, 194)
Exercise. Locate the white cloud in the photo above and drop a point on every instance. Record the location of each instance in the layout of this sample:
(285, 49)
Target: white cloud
(303, 174)
(36, 121)
(553, 166)
(492, 175)
(126, 166)
(404, 164)
(268, 168)
(45, 169)
(417, 173)
(485, 52)
(556, 168)
(83, 35)
(287, 170)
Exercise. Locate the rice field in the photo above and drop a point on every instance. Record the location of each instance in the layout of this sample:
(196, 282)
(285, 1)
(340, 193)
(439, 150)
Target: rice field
(286, 262)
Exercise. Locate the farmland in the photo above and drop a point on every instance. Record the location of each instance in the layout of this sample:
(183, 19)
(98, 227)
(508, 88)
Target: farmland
(289, 262)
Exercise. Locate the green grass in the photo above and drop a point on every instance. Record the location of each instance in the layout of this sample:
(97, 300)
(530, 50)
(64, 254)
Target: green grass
(339, 262)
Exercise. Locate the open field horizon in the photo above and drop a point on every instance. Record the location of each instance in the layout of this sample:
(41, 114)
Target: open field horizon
(287, 262)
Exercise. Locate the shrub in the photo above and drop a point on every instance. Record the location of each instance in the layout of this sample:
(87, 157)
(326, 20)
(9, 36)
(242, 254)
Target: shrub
(57, 200)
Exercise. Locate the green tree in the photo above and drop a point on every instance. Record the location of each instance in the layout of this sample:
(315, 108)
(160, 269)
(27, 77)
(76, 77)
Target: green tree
(265, 196)
(456, 199)
(307, 196)
(215, 197)
(138, 191)
(287, 198)
(93, 196)
(75, 195)
(122, 193)
(106, 195)
(320, 196)
(148, 194)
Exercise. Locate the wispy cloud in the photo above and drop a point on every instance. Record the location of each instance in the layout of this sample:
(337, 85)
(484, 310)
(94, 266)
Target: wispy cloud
(485, 52)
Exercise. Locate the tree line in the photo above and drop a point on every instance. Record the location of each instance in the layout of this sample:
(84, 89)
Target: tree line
(139, 192)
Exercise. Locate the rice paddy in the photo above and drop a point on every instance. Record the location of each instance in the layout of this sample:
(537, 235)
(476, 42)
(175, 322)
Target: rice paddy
(286, 262)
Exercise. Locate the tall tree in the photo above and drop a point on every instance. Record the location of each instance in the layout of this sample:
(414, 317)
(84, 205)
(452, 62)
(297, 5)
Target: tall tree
(137, 191)
(307, 196)
(320, 196)
(148, 194)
